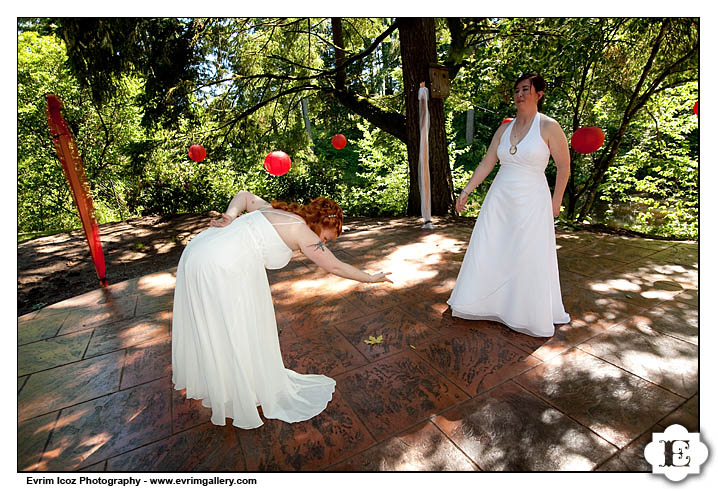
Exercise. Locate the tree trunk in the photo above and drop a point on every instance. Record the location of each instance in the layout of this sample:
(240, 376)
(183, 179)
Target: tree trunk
(600, 169)
(417, 38)
(338, 39)
(573, 194)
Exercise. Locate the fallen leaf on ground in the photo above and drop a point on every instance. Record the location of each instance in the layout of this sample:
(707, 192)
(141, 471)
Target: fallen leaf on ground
(374, 340)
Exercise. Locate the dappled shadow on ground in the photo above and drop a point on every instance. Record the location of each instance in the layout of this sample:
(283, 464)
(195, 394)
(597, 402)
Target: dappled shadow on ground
(58, 267)
(435, 393)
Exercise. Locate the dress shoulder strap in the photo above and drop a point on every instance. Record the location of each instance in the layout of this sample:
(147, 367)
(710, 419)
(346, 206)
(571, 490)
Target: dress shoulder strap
(295, 219)
(537, 122)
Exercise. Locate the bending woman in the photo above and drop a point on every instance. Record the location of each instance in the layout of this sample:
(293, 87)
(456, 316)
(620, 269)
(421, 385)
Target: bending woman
(225, 347)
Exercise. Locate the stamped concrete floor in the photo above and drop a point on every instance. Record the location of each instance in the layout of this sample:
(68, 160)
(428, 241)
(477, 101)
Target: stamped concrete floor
(438, 393)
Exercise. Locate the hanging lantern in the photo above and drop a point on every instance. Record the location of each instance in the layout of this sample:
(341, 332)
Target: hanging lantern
(507, 120)
(277, 163)
(197, 153)
(339, 141)
(587, 139)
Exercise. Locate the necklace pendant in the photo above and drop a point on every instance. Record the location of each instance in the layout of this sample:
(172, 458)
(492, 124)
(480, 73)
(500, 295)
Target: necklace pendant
(512, 150)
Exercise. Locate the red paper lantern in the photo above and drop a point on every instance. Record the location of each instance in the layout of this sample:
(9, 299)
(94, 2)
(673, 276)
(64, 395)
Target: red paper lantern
(339, 141)
(587, 139)
(277, 163)
(695, 108)
(197, 153)
(507, 120)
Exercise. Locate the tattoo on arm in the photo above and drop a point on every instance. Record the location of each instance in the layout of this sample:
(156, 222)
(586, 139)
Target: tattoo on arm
(318, 246)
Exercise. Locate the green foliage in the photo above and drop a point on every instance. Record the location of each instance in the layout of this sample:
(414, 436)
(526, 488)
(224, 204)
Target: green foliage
(657, 175)
(592, 67)
(171, 183)
(103, 51)
(381, 183)
(204, 81)
(44, 202)
(129, 172)
(306, 180)
(368, 177)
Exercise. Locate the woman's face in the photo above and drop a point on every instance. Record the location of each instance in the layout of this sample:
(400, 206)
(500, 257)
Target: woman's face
(525, 93)
(327, 234)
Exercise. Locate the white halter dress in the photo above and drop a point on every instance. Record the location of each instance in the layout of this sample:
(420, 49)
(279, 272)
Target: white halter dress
(225, 346)
(510, 271)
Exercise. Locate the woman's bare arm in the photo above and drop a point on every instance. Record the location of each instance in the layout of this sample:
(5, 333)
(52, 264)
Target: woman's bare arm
(242, 201)
(483, 169)
(558, 145)
(317, 252)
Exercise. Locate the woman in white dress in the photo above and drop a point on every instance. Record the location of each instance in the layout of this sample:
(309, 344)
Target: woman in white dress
(510, 271)
(225, 346)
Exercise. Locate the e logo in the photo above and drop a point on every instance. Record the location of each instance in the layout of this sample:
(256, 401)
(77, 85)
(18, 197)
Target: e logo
(673, 448)
(676, 453)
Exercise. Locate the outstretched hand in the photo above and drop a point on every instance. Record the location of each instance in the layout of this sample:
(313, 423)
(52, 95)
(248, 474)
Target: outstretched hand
(380, 276)
(222, 221)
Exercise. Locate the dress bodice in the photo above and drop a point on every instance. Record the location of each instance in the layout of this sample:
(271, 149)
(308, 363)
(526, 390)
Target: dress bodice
(275, 253)
(532, 153)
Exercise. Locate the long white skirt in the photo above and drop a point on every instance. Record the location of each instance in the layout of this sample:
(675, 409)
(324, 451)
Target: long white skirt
(510, 271)
(225, 346)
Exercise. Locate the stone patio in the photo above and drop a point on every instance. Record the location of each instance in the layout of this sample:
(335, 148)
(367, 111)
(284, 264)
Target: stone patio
(438, 393)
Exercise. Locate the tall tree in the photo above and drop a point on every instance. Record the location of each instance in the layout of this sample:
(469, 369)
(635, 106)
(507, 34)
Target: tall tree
(417, 37)
(418, 51)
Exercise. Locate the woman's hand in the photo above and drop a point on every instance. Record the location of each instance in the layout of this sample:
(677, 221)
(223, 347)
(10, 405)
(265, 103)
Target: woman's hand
(461, 202)
(379, 277)
(556, 208)
(222, 221)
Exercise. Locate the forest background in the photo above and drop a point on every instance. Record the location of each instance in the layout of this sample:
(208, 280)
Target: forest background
(138, 92)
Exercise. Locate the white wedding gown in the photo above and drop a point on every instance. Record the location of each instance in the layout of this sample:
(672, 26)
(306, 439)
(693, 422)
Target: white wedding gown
(510, 272)
(225, 346)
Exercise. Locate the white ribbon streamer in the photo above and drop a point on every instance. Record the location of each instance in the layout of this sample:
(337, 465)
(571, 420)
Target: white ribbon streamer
(424, 180)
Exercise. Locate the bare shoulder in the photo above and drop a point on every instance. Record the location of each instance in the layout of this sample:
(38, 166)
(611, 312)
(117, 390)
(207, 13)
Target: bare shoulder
(304, 233)
(295, 235)
(499, 132)
(307, 240)
(552, 132)
(549, 124)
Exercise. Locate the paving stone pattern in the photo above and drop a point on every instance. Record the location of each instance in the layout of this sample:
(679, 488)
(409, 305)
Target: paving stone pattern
(438, 393)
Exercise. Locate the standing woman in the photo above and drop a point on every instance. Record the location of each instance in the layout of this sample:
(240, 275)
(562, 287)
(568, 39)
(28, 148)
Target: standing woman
(225, 346)
(510, 271)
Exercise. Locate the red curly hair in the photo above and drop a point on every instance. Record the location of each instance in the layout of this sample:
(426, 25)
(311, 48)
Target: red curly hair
(318, 213)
